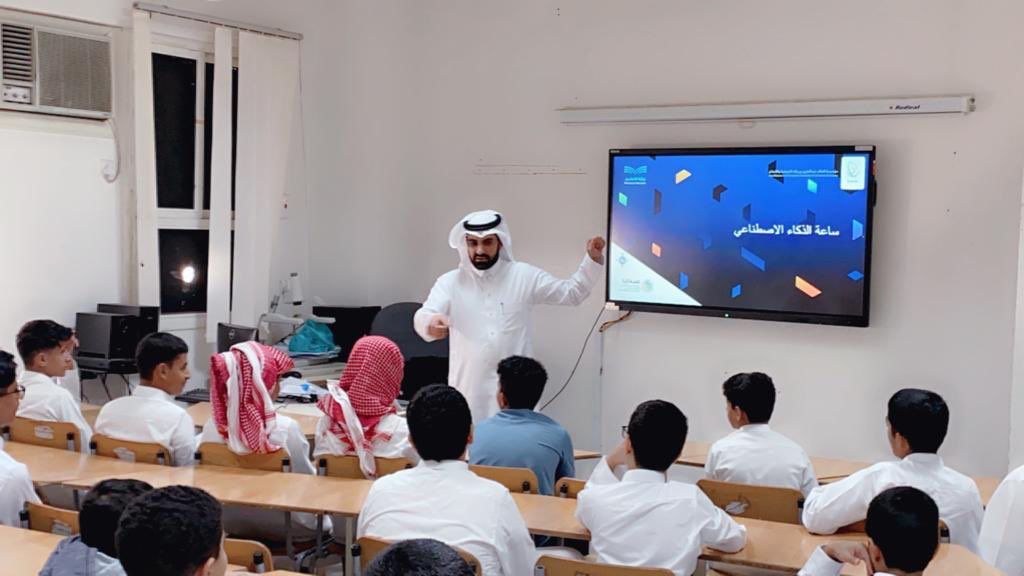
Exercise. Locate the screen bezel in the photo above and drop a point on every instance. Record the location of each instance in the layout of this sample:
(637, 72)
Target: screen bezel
(746, 313)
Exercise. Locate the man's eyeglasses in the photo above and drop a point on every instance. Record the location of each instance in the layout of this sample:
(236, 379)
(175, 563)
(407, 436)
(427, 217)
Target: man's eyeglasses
(18, 389)
(625, 431)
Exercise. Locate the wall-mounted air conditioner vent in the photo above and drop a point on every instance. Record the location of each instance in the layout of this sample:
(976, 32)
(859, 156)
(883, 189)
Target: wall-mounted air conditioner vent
(51, 72)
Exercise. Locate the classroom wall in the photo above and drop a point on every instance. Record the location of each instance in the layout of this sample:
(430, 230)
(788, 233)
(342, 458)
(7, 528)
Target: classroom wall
(429, 93)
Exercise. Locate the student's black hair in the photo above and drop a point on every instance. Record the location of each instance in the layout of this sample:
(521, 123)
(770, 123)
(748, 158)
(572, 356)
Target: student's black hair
(8, 370)
(752, 392)
(169, 532)
(904, 523)
(155, 349)
(439, 422)
(102, 508)
(920, 416)
(38, 336)
(419, 557)
(657, 431)
(522, 381)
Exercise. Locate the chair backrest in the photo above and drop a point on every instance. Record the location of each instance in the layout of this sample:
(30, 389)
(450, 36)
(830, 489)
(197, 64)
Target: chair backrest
(569, 487)
(367, 548)
(515, 479)
(230, 334)
(62, 435)
(217, 454)
(761, 502)
(395, 323)
(255, 556)
(43, 518)
(146, 452)
(552, 566)
(348, 466)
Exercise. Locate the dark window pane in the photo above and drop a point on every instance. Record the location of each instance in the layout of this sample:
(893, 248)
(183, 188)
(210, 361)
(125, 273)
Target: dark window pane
(208, 134)
(183, 270)
(174, 106)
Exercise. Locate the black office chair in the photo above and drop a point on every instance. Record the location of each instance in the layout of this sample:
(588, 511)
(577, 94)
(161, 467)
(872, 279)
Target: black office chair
(230, 334)
(425, 362)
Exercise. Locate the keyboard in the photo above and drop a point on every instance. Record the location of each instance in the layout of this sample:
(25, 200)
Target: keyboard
(194, 396)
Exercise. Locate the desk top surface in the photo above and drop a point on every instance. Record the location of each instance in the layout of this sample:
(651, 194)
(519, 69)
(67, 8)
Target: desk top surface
(306, 415)
(25, 551)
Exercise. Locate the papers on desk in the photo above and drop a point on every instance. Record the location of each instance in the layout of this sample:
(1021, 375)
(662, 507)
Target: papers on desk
(300, 391)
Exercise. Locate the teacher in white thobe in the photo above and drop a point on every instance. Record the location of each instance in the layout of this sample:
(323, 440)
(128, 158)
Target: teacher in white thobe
(485, 303)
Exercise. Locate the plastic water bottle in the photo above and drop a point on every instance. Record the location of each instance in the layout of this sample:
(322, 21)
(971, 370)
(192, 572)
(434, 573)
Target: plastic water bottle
(259, 566)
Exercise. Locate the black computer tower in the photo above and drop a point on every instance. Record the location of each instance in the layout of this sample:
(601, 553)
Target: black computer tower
(149, 316)
(106, 337)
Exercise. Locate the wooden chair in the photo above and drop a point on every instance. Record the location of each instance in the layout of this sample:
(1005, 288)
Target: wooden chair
(367, 548)
(146, 452)
(861, 526)
(62, 435)
(44, 518)
(551, 566)
(569, 487)
(515, 479)
(348, 466)
(761, 502)
(249, 553)
(217, 454)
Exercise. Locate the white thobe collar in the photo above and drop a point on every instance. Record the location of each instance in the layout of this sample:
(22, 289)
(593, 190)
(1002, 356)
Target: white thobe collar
(644, 476)
(443, 465)
(924, 459)
(761, 427)
(144, 391)
(33, 378)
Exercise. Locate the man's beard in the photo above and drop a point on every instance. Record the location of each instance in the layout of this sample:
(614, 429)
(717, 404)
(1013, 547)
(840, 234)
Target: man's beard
(482, 264)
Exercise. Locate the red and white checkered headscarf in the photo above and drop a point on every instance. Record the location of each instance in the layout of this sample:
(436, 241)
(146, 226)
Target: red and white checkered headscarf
(365, 394)
(240, 383)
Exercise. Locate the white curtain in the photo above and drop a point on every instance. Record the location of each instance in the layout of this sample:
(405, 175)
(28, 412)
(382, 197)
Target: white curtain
(219, 277)
(147, 257)
(268, 89)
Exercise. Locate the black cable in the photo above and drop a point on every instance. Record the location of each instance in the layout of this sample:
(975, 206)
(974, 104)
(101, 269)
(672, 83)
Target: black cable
(577, 365)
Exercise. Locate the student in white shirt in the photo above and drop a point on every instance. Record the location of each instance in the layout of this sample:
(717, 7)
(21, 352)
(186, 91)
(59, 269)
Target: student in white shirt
(440, 498)
(917, 422)
(754, 453)
(244, 383)
(1001, 543)
(903, 535)
(641, 518)
(360, 416)
(44, 346)
(15, 482)
(150, 413)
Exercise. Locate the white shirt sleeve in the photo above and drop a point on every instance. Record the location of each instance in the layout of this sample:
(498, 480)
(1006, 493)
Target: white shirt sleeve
(1002, 533)
(808, 481)
(711, 463)
(720, 532)
(183, 442)
(831, 506)
(819, 564)
(71, 411)
(298, 450)
(516, 552)
(438, 302)
(569, 292)
(14, 492)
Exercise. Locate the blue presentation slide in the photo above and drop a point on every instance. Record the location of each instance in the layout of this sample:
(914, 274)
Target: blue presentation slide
(761, 232)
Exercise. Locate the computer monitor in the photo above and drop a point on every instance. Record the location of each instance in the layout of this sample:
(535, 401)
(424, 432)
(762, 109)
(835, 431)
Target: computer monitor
(229, 334)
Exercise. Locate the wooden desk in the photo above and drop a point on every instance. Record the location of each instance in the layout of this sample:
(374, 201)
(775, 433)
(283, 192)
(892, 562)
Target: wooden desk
(25, 551)
(551, 516)
(585, 455)
(200, 413)
(55, 466)
(255, 488)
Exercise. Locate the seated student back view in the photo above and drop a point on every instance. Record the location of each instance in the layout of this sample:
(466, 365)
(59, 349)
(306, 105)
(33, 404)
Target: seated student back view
(440, 498)
(917, 422)
(641, 518)
(754, 453)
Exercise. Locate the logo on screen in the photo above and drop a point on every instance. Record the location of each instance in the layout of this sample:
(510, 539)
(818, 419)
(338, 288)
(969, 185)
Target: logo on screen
(853, 173)
(635, 175)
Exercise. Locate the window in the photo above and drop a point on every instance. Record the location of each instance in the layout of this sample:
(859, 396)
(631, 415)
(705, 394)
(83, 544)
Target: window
(183, 114)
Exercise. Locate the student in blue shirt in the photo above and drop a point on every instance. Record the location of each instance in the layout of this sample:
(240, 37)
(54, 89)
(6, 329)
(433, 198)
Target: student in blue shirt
(518, 436)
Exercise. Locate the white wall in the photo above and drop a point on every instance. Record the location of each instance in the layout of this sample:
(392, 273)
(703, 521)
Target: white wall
(425, 91)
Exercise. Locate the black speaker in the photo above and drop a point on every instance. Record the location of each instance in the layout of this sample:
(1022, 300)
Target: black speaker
(149, 316)
(106, 336)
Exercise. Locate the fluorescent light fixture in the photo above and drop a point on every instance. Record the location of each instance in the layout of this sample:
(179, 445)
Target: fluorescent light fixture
(897, 106)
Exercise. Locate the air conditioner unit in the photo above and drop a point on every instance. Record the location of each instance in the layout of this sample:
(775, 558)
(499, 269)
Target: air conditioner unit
(48, 71)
